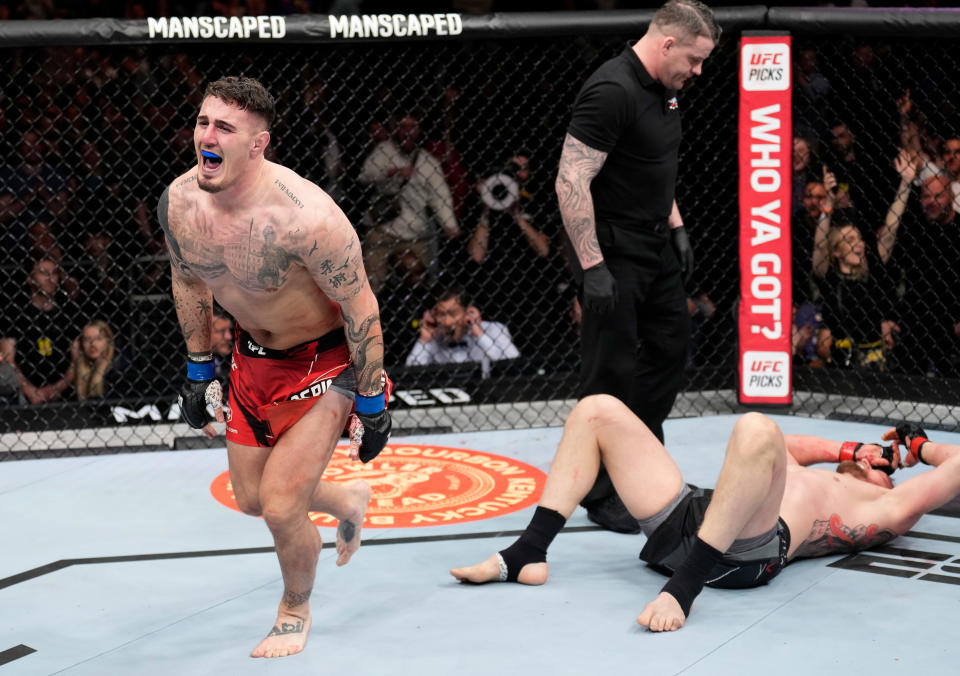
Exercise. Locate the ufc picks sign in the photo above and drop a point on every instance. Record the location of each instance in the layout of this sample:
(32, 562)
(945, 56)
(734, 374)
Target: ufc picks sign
(765, 189)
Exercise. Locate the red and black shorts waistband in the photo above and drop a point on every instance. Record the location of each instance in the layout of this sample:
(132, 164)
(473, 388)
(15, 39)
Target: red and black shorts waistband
(248, 347)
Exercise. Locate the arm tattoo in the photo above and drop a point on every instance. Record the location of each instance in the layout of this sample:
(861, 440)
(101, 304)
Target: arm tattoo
(579, 164)
(362, 337)
(835, 537)
(176, 257)
(343, 279)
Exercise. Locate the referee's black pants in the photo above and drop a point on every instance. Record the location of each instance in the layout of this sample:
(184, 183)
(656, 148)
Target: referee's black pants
(638, 351)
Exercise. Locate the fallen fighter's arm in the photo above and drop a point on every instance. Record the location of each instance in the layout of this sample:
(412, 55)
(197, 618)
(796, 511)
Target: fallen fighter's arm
(809, 450)
(903, 506)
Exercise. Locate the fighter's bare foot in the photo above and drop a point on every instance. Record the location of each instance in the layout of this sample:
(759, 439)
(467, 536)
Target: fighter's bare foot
(288, 636)
(662, 614)
(489, 571)
(348, 530)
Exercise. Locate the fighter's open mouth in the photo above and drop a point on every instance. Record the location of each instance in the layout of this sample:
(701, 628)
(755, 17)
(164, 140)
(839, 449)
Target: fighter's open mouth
(210, 160)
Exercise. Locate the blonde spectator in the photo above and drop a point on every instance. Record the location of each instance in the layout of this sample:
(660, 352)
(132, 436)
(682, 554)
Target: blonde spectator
(94, 356)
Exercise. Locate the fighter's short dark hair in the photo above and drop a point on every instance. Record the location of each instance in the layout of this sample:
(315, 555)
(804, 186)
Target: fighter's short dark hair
(692, 17)
(247, 94)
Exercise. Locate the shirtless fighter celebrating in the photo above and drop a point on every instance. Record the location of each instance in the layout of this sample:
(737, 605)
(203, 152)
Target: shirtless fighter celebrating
(281, 257)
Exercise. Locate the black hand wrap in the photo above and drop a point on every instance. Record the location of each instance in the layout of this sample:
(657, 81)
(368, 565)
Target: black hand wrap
(848, 451)
(681, 246)
(599, 289)
(376, 421)
(201, 388)
(913, 437)
(887, 454)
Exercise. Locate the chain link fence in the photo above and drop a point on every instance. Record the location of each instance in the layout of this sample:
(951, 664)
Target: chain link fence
(876, 224)
(92, 135)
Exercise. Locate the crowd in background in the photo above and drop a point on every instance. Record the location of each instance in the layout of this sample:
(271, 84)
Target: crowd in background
(876, 222)
(445, 165)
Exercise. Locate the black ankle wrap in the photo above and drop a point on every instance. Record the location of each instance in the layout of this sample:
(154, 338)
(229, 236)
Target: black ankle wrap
(688, 579)
(531, 546)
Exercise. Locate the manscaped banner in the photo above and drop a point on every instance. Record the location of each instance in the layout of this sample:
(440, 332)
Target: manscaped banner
(765, 146)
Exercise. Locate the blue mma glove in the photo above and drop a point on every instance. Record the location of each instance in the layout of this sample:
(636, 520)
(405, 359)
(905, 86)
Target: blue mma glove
(373, 430)
(202, 388)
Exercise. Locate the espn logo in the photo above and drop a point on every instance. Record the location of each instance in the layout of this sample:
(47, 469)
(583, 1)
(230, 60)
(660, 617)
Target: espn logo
(766, 374)
(765, 67)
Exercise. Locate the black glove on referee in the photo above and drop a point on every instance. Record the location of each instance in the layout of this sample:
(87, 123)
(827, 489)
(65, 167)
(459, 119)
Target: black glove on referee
(681, 246)
(599, 289)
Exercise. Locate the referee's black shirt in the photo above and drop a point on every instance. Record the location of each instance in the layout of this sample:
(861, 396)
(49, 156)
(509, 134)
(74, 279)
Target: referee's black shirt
(624, 112)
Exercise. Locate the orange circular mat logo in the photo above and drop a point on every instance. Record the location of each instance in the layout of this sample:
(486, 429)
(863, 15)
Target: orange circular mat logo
(417, 485)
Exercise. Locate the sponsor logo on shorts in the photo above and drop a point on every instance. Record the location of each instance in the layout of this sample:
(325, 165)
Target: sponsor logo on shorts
(314, 390)
(415, 485)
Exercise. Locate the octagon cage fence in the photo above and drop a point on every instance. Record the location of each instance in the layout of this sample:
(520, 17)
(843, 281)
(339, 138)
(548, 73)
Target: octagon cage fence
(97, 118)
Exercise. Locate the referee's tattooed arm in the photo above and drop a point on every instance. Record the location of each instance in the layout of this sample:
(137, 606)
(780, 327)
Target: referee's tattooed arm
(579, 163)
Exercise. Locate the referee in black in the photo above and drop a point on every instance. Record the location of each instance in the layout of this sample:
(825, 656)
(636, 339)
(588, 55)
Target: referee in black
(615, 185)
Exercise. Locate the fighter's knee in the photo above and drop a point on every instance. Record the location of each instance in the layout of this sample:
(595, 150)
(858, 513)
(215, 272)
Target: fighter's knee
(251, 507)
(281, 511)
(247, 499)
(595, 408)
(758, 435)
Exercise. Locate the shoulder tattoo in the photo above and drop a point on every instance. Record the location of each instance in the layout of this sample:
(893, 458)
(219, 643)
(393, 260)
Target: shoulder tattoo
(286, 190)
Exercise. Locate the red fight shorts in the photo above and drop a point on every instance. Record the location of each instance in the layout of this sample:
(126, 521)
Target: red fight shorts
(270, 390)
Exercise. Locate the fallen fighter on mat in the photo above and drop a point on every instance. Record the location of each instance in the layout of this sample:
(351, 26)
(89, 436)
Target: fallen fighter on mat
(768, 508)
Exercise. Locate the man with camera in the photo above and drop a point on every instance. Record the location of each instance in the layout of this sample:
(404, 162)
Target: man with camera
(616, 185)
(504, 196)
(511, 264)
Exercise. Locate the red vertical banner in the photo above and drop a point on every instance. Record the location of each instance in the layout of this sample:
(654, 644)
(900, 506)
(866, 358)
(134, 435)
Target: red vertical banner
(765, 191)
